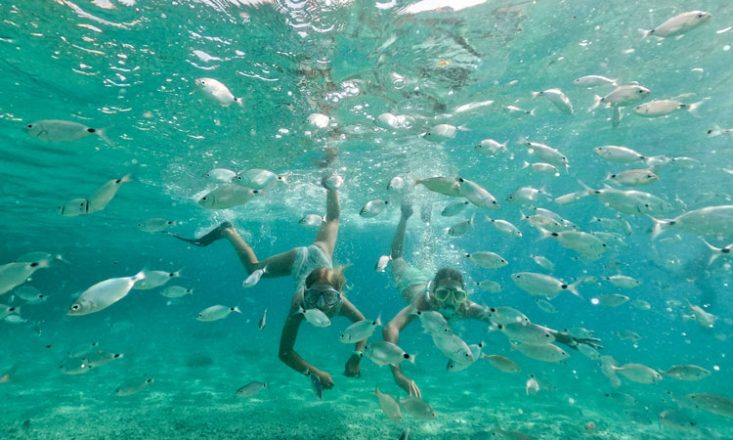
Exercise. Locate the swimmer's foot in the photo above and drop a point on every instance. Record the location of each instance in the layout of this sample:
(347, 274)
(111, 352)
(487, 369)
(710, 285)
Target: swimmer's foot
(208, 238)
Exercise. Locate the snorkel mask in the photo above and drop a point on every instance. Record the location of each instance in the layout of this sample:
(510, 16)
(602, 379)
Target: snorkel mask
(321, 296)
(454, 296)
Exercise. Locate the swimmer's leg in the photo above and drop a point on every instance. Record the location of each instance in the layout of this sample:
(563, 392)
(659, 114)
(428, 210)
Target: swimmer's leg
(208, 238)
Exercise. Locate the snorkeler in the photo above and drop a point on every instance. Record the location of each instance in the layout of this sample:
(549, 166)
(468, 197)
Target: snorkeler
(443, 292)
(318, 284)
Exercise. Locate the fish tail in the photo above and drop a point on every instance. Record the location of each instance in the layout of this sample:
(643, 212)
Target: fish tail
(715, 131)
(573, 287)
(378, 321)
(645, 33)
(239, 101)
(102, 133)
(532, 112)
(608, 368)
(544, 233)
(536, 94)
(139, 276)
(236, 309)
(716, 251)
(659, 226)
(596, 102)
(411, 358)
(692, 108)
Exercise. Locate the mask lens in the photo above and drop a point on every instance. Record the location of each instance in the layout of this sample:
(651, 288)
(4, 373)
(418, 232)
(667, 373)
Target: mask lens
(442, 293)
(459, 296)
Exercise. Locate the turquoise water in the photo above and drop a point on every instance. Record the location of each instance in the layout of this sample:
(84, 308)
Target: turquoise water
(129, 67)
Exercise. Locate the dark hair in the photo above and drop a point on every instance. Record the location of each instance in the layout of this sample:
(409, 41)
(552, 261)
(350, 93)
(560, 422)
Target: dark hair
(447, 273)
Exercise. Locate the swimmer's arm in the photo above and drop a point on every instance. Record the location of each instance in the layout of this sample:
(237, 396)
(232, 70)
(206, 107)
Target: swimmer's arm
(349, 311)
(328, 233)
(287, 353)
(391, 333)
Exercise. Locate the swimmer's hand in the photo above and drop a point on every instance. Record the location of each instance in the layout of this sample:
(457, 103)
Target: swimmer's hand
(352, 368)
(593, 342)
(408, 385)
(326, 379)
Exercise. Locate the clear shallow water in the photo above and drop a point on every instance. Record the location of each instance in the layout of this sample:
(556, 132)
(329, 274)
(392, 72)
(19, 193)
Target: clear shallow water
(130, 70)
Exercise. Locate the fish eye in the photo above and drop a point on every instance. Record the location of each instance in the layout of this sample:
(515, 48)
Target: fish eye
(203, 198)
(29, 125)
(91, 130)
(492, 309)
(75, 307)
(709, 131)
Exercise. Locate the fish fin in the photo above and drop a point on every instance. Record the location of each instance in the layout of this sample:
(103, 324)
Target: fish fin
(378, 322)
(608, 367)
(715, 131)
(692, 108)
(716, 251)
(544, 233)
(646, 32)
(659, 226)
(573, 287)
(101, 132)
(140, 275)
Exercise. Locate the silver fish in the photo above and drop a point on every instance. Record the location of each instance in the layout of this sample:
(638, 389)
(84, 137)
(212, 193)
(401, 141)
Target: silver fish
(251, 389)
(316, 384)
(679, 24)
(133, 388)
(104, 294)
